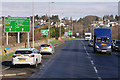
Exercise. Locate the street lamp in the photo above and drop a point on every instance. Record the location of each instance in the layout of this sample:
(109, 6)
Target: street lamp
(33, 20)
(60, 29)
(49, 23)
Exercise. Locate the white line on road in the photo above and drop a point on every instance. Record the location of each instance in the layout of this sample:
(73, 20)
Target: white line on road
(99, 78)
(92, 62)
(95, 69)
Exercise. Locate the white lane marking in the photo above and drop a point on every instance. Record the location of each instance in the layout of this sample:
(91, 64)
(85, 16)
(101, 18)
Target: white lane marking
(86, 51)
(92, 62)
(99, 78)
(95, 69)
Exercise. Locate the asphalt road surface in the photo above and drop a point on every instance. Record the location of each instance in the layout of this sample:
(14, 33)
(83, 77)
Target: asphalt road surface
(76, 60)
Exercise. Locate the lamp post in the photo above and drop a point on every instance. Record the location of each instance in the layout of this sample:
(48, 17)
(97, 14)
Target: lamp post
(33, 20)
(49, 22)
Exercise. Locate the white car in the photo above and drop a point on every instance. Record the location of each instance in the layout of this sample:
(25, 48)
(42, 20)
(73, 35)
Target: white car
(29, 56)
(46, 48)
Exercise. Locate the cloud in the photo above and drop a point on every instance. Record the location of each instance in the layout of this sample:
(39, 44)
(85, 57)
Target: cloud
(75, 10)
(60, 0)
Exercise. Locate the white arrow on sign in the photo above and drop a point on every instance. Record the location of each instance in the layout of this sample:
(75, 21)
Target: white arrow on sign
(44, 32)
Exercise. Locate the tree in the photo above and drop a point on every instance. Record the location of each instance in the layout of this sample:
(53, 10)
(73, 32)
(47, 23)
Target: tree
(117, 18)
(112, 16)
(56, 32)
(37, 17)
(97, 19)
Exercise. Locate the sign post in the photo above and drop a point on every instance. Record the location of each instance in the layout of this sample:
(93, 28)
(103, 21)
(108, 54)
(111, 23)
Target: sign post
(18, 37)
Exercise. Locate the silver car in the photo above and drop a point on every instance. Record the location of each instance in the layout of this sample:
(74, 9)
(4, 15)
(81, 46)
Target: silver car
(46, 48)
(90, 43)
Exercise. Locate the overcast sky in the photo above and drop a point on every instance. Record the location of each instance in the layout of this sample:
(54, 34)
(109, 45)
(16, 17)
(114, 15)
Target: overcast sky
(63, 9)
(60, 0)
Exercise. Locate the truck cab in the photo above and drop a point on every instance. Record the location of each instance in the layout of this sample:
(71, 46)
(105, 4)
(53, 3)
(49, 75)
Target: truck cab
(102, 40)
(88, 36)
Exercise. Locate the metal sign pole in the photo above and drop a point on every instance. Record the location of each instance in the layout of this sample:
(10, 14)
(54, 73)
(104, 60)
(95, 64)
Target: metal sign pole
(28, 40)
(18, 37)
(6, 38)
(60, 31)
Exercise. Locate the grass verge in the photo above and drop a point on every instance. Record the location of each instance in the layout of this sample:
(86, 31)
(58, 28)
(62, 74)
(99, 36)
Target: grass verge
(3, 57)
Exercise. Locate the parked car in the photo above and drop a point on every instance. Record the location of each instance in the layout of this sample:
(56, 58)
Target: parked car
(29, 56)
(90, 43)
(46, 48)
(116, 46)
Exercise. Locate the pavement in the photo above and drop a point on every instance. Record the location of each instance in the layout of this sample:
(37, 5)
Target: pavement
(75, 60)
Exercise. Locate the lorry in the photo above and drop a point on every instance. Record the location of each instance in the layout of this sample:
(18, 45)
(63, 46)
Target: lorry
(102, 40)
(88, 36)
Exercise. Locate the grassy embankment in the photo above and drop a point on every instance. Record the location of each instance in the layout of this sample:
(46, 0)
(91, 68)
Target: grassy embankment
(3, 57)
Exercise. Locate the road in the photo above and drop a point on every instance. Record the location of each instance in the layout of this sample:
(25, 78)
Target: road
(74, 59)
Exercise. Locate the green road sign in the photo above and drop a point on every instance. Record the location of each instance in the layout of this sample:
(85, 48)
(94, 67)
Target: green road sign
(44, 32)
(17, 24)
(70, 32)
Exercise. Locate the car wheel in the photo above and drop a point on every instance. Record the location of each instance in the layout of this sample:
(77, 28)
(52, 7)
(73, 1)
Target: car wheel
(13, 66)
(110, 53)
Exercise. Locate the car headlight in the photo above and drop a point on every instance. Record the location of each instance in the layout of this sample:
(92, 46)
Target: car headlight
(109, 46)
(97, 46)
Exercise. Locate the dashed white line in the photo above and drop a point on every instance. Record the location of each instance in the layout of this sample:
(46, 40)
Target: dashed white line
(92, 62)
(95, 69)
(99, 78)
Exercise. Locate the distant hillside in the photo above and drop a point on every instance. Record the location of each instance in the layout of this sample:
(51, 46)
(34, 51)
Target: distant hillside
(88, 20)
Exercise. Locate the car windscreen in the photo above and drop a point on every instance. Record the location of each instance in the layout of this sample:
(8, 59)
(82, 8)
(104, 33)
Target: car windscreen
(23, 52)
(91, 40)
(117, 42)
(45, 45)
(103, 40)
